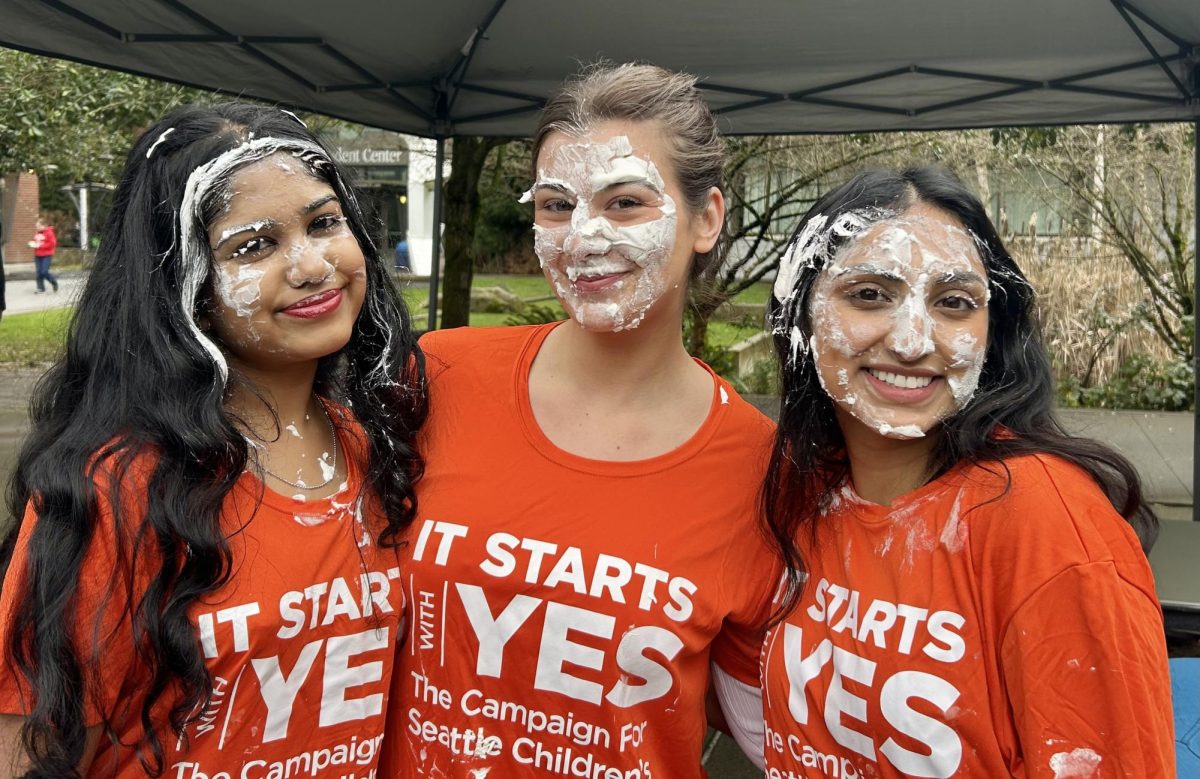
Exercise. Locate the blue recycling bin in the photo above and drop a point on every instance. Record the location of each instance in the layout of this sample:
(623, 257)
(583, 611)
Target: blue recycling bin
(1185, 695)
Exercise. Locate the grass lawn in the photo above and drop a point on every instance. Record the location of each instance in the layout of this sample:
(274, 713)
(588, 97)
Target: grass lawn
(35, 338)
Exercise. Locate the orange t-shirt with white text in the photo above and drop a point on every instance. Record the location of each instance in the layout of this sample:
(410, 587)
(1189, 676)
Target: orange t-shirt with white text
(299, 643)
(562, 611)
(968, 632)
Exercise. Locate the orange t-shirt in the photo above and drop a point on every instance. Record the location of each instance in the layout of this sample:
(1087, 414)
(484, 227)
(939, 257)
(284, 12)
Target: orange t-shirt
(964, 633)
(300, 642)
(561, 610)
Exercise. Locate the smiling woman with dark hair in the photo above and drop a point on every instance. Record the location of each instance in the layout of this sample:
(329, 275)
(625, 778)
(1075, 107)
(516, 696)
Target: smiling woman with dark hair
(218, 471)
(969, 593)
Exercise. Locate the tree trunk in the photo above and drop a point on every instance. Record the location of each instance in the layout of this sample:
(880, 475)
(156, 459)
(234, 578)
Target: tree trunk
(697, 333)
(461, 209)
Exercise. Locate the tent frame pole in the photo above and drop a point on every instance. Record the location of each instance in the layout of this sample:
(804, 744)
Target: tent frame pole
(436, 258)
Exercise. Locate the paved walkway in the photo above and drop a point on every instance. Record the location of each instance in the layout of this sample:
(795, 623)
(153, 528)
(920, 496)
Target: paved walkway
(20, 289)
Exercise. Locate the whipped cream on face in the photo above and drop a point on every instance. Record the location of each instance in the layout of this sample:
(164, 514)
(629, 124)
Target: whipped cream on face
(918, 253)
(195, 256)
(590, 245)
(813, 248)
(606, 268)
(239, 288)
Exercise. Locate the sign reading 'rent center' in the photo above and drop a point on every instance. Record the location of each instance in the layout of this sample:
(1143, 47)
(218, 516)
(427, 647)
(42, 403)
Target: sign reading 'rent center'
(367, 155)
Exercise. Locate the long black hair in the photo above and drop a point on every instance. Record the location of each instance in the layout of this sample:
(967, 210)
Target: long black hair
(1016, 388)
(139, 377)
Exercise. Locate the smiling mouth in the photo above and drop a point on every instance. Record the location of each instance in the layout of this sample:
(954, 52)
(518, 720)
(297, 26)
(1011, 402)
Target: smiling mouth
(315, 305)
(898, 380)
(595, 272)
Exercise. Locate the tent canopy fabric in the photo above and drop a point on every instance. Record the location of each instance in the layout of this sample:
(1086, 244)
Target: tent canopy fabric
(485, 67)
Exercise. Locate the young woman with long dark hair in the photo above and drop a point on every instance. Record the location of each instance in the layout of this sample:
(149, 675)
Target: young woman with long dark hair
(969, 592)
(202, 577)
(587, 540)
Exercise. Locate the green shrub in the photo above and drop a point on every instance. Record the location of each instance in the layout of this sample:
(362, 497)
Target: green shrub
(1140, 383)
(535, 314)
(763, 378)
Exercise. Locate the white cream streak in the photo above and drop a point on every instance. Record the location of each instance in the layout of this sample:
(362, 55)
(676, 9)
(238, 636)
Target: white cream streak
(239, 288)
(812, 250)
(298, 119)
(194, 251)
(253, 227)
(1079, 763)
(591, 245)
(162, 137)
(327, 466)
(297, 274)
(967, 354)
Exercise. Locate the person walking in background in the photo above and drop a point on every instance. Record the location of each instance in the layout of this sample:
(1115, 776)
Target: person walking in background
(43, 244)
(2, 303)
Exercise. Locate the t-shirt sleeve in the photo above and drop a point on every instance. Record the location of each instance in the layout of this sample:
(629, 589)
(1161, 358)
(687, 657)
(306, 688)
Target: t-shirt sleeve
(753, 580)
(751, 571)
(100, 616)
(1085, 667)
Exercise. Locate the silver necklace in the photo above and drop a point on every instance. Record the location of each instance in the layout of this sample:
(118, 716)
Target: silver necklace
(332, 473)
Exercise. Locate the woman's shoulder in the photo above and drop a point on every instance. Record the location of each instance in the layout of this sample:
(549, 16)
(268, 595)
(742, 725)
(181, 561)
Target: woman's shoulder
(1043, 501)
(468, 350)
(745, 419)
(459, 343)
(1039, 477)
(122, 469)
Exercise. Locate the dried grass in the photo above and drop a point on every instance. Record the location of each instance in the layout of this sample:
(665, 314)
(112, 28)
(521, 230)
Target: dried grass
(1085, 291)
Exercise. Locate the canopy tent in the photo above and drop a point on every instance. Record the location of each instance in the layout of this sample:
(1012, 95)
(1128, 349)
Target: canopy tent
(485, 67)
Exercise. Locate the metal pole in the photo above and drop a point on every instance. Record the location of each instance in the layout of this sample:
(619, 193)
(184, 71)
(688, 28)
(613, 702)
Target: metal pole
(1195, 329)
(83, 217)
(435, 265)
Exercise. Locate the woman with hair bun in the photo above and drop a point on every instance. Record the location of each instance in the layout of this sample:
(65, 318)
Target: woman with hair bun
(969, 593)
(202, 580)
(587, 540)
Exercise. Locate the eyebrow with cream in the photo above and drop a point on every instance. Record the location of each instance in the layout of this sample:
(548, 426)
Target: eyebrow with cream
(640, 181)
(253, 227)
(553, 186)
(867, 269)
(270, 224)
(962, 277)
(318, 203)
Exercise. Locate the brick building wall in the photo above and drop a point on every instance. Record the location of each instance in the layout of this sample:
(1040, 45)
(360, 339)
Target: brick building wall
(19, 210)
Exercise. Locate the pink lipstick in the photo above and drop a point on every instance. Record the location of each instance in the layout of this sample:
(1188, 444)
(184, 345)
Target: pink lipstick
(315, 306)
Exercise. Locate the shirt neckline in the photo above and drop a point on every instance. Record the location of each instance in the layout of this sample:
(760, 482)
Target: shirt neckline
(286, 504)
(873, 513)
(720, 402)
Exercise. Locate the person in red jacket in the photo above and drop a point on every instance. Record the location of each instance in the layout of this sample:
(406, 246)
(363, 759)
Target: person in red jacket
(44, 243)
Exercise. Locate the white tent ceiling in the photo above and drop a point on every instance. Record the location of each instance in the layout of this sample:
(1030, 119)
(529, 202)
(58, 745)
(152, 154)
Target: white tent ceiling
(769, 66)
